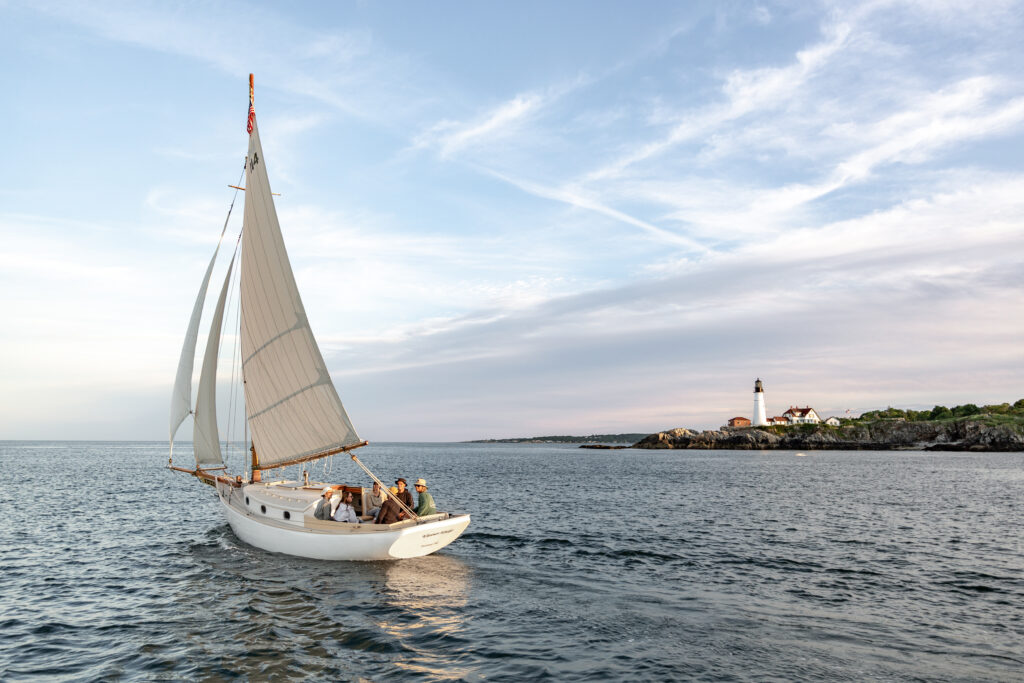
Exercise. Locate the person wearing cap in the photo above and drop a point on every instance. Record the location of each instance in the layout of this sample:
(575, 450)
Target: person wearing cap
(389, 511)
(323, 508)
(404, 494)
(425, 505)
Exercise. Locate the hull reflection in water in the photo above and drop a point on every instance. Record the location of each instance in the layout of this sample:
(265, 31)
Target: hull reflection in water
(433, 593)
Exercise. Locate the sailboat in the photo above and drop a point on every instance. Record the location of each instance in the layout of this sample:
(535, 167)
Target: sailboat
(293, 414)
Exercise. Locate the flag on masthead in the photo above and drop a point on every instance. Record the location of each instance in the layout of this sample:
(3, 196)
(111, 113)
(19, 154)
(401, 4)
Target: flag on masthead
(252, 109)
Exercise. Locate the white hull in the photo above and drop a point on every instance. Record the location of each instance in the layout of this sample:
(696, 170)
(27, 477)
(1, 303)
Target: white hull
(314, 539)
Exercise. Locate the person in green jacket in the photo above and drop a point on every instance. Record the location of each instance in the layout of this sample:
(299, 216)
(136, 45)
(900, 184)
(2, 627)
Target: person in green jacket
(425, 504)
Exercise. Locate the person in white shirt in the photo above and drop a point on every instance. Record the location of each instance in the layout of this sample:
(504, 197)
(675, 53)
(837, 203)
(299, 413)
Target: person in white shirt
(345, 511)
(374, 500)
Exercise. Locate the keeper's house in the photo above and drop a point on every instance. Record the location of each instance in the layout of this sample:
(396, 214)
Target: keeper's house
(799, 416)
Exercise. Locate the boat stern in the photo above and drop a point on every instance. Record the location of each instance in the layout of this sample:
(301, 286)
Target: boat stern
(423, 539)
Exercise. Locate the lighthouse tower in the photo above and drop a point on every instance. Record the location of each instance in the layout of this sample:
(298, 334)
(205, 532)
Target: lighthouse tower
(759, 417)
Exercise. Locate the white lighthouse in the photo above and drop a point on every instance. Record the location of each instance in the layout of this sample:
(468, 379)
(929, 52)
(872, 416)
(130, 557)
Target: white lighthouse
(759, 417)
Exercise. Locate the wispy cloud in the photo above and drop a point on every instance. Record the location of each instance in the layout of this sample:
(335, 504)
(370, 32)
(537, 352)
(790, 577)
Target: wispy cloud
(745, 91)
(578, 198)
(495, 125)
(451, 137)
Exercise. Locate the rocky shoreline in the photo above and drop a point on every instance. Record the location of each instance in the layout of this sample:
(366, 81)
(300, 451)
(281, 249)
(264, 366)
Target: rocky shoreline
(962, 435)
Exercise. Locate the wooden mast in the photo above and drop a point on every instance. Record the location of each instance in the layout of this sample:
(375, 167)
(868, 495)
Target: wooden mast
(256, 476)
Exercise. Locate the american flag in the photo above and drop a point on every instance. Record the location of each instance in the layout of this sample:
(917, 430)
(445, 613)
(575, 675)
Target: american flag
(252, 117)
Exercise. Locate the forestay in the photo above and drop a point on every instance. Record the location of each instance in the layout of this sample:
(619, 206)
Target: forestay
(292, 406)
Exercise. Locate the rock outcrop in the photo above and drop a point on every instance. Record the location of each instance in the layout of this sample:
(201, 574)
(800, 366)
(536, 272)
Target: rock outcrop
(963, 435)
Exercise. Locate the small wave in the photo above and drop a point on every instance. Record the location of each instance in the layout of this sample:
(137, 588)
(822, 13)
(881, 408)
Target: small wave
(367, 641)
(638, 553)
(774, 563)
(971, 588)
(53, 627)
(484, 536)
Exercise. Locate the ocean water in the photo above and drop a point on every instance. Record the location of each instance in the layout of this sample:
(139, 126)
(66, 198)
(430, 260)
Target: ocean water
(579, 565)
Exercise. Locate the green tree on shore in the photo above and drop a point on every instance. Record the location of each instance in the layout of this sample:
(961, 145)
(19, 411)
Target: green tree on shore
(944, 413)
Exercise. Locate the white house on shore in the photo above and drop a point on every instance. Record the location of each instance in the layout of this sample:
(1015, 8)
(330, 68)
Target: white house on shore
(798, 416)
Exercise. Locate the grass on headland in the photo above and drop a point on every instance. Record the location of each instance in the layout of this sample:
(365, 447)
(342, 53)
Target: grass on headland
(996, 414)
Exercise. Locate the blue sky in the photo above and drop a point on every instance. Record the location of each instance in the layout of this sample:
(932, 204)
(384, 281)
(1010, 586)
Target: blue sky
(510, 219)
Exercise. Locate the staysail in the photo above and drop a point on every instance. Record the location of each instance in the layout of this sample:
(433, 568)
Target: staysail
(181, 397)
(205, 435)
(293, 409)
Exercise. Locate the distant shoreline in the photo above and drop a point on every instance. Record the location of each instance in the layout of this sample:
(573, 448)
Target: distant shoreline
(880, 435)
(590, 439)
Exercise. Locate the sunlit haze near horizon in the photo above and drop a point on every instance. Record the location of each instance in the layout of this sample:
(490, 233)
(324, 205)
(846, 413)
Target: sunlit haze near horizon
(515, 219)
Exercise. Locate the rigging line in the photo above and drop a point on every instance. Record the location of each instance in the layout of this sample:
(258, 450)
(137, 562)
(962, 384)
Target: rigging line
(241, 372)
(233, 198)
(233, 396)
(236, 351)
(235, 357)
(231, 386)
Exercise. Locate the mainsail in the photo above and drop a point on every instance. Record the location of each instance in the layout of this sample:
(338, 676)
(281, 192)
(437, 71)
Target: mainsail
(292, 406)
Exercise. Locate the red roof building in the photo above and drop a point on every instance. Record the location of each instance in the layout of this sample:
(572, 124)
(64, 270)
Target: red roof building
(802, 415)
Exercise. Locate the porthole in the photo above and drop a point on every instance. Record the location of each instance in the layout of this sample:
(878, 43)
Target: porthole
(263, 509)
(287, 515)
(247, 500)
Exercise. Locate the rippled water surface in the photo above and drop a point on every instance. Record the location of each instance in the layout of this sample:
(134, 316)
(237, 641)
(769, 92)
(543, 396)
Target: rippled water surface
(579, 564)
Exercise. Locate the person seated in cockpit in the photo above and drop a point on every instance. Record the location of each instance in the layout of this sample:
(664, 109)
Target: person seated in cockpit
(346, 512)
(328, 504)
(324, 508)
(425, 505)
(373, 500)
(389, 511)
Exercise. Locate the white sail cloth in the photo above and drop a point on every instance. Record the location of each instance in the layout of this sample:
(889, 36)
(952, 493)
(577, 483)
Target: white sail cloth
(291, 404)
(181, 397)
(205, 435)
